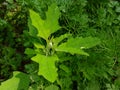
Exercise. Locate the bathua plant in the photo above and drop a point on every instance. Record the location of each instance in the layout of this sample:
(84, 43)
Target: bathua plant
(46, 48)
(47, 45)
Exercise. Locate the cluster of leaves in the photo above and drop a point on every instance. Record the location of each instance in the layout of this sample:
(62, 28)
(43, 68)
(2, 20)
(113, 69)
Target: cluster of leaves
(59, 54)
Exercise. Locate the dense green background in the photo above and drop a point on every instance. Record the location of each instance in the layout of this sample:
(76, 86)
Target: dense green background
(97, 18)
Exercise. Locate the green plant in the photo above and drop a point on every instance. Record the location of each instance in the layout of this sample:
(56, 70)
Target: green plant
(48, 48)
(56, 52)
(46, 52)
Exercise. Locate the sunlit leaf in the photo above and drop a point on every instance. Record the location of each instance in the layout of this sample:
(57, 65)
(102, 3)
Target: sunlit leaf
(47, 66)
(48, 26)
(76, 45)
(19, 81)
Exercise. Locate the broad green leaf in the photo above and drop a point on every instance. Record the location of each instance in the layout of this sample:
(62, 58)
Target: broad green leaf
(51, 23)
(47, 66)
(48, 26)
(10, 84)
(52, 87)
(83, 43)
(63, 47)
(19, 81)
(38, 23)
(75, 45)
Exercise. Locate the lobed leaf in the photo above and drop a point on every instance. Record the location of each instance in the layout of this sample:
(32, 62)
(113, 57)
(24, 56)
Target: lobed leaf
(64, 48)
(47, 66)
(75, 45)
(50, 25)
(83, 43)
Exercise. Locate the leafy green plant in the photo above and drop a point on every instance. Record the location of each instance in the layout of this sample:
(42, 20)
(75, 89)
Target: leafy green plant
(46, 55)
(59, 44)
